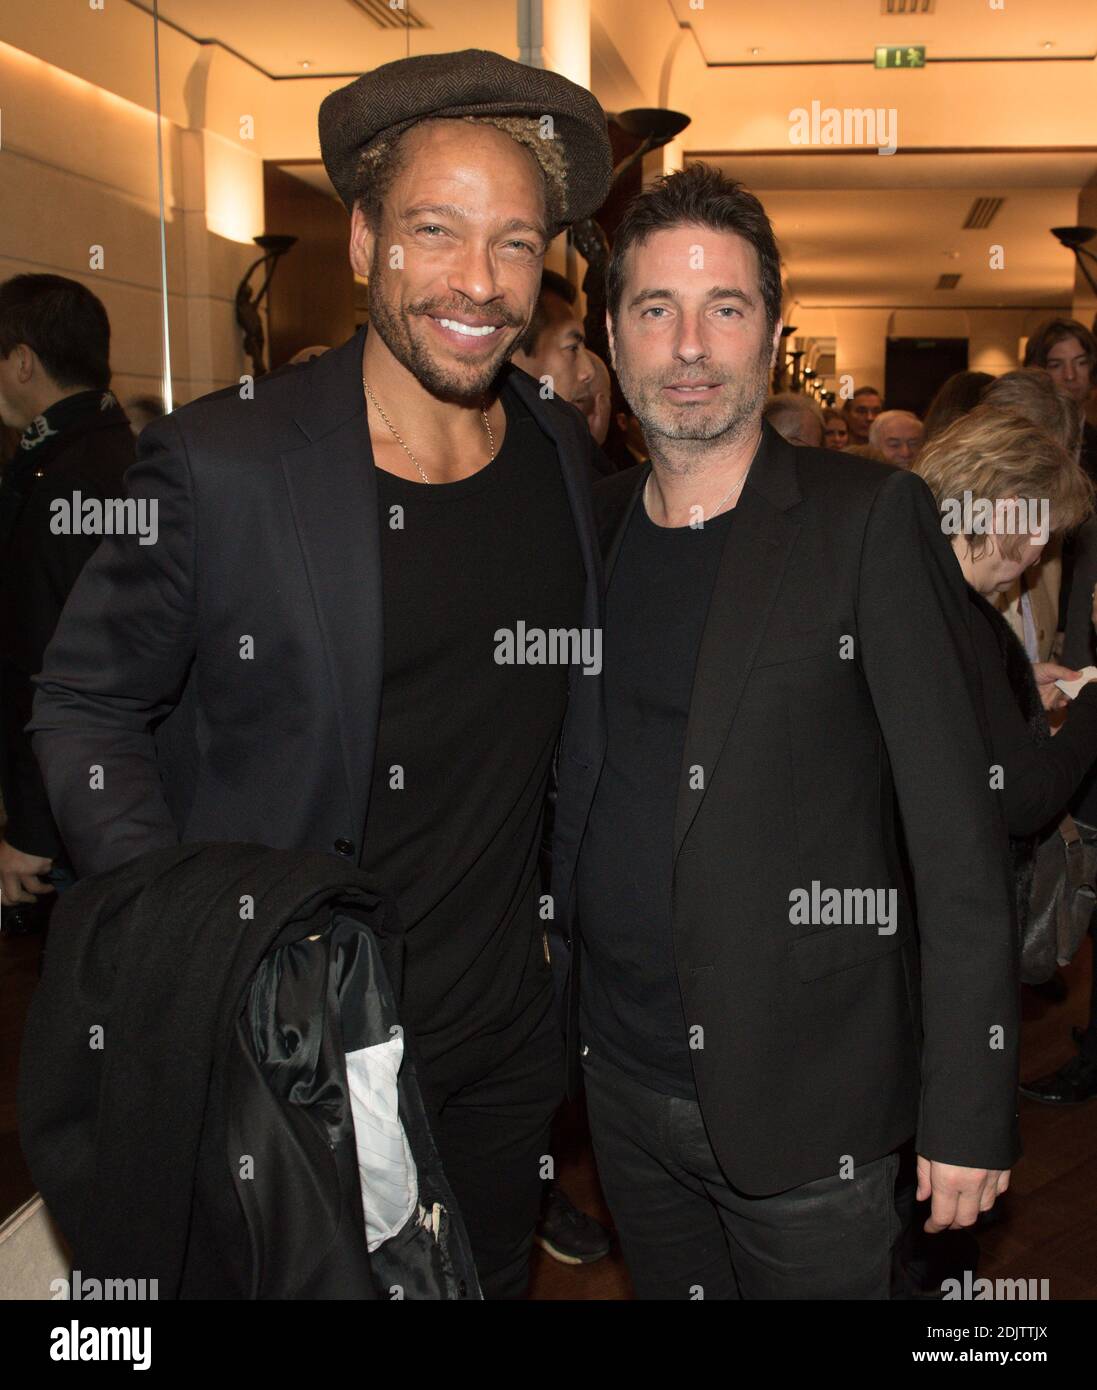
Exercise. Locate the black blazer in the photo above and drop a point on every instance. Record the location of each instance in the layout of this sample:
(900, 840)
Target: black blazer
(268, 521)
(820, 1041)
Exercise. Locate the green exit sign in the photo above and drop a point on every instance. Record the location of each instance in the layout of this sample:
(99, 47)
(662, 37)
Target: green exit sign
(901, 57)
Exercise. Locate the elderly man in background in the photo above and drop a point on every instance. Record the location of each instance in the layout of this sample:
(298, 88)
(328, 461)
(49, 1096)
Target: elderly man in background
(795, 418)
(897, 436)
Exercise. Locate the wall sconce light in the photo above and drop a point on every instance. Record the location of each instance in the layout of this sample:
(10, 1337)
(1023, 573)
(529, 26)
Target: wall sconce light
(247, 305)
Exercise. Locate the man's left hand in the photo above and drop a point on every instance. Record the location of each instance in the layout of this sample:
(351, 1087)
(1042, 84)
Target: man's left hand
(959, 1194)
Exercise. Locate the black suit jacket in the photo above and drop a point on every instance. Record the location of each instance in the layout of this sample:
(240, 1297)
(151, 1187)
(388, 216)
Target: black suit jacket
(37, 571)
(825, 1041)
(225, 683)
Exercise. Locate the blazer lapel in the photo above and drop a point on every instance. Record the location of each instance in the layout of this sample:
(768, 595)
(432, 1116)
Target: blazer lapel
(747, 581)
(333, 495)
(622, 524)
(586, 704)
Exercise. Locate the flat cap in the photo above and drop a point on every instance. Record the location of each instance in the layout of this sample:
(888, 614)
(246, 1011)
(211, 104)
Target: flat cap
(474, 82)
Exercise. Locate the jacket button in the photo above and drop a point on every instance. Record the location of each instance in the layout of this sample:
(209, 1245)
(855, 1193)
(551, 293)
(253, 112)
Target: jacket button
(344, 847)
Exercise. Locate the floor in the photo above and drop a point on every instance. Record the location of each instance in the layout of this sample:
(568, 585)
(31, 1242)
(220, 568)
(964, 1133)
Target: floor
(1048, 1228)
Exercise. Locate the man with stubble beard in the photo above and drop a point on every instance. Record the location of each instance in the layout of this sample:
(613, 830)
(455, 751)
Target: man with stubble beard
(371, 522)
(788, 677)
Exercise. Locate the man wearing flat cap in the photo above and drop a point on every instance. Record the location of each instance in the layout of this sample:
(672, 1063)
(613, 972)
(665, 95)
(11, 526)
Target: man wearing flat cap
(374, 586)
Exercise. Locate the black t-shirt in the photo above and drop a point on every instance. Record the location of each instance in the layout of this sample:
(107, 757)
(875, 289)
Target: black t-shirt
(631, 1006)
(465, 743)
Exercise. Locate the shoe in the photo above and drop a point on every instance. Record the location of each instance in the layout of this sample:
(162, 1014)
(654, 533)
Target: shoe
(568, 1234)
(1073, 1083)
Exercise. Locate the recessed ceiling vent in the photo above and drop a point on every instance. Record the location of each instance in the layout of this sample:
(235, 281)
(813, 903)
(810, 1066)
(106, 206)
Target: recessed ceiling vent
(386, 16)
(948, 282)
(983, 212)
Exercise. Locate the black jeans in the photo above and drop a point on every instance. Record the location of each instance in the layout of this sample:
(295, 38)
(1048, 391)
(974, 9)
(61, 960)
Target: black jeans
(493, 1138)
(686, 1233)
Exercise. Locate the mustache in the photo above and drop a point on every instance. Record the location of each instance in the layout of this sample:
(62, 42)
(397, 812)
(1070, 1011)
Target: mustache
(439, 309)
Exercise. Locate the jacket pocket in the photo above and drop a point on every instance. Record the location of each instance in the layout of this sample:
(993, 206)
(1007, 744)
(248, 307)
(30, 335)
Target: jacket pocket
(839, 948)
(777, 648)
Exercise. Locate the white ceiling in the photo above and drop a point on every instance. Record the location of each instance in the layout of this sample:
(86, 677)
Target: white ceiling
(855, 228)
(728, 31)
(335, 36)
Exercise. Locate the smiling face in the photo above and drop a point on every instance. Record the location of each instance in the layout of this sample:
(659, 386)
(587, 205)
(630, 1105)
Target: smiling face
(690, 343)
(454, 265)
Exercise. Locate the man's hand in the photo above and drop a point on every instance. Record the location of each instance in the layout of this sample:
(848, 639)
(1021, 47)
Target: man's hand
(959, 1194)
(1046, 674)
(19, 875)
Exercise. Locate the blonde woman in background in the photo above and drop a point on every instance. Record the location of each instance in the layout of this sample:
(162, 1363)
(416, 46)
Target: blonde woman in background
(1031, 605)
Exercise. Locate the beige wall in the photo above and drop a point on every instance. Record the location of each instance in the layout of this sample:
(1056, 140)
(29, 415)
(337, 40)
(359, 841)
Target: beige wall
(79, 169)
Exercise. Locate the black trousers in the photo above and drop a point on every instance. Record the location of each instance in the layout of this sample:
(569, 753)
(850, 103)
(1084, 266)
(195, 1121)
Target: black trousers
(686, 1233)
(493, 1137)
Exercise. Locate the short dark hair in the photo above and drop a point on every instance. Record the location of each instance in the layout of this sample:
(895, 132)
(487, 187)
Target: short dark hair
(1054, 332)
(552, 282)
(63, 322)
(702, 196)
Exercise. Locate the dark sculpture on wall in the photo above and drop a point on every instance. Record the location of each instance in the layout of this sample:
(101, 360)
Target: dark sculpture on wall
(247, 304)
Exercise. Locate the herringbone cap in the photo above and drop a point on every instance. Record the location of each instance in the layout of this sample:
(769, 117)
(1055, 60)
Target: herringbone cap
(473, 82)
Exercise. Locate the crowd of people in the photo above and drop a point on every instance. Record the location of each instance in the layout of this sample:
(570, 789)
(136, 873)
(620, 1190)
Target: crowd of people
(803, 665)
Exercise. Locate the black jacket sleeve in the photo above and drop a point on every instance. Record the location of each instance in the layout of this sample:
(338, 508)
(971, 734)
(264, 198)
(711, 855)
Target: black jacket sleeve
(116, 666)
(1038, 780)
(915, 642)
(48, 565)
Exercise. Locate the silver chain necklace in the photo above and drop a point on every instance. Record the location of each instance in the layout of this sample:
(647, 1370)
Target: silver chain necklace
(722, 502)
(399, 440)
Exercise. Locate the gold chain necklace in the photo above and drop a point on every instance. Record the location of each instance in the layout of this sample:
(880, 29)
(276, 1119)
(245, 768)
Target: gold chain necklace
(399, 440)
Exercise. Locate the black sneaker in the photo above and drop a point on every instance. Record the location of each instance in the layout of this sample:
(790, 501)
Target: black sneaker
(568, 1234)
(1073, 1083)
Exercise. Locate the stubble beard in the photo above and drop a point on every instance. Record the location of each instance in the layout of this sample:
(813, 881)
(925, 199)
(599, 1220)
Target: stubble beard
(730, 420)
(393, 326)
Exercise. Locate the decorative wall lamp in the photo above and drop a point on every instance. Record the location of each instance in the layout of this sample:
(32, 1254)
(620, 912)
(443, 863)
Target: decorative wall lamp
(247, 306)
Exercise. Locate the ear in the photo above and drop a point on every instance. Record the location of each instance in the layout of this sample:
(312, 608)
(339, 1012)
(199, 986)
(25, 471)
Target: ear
(26, 362)
(362, 242)
(612, 344)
